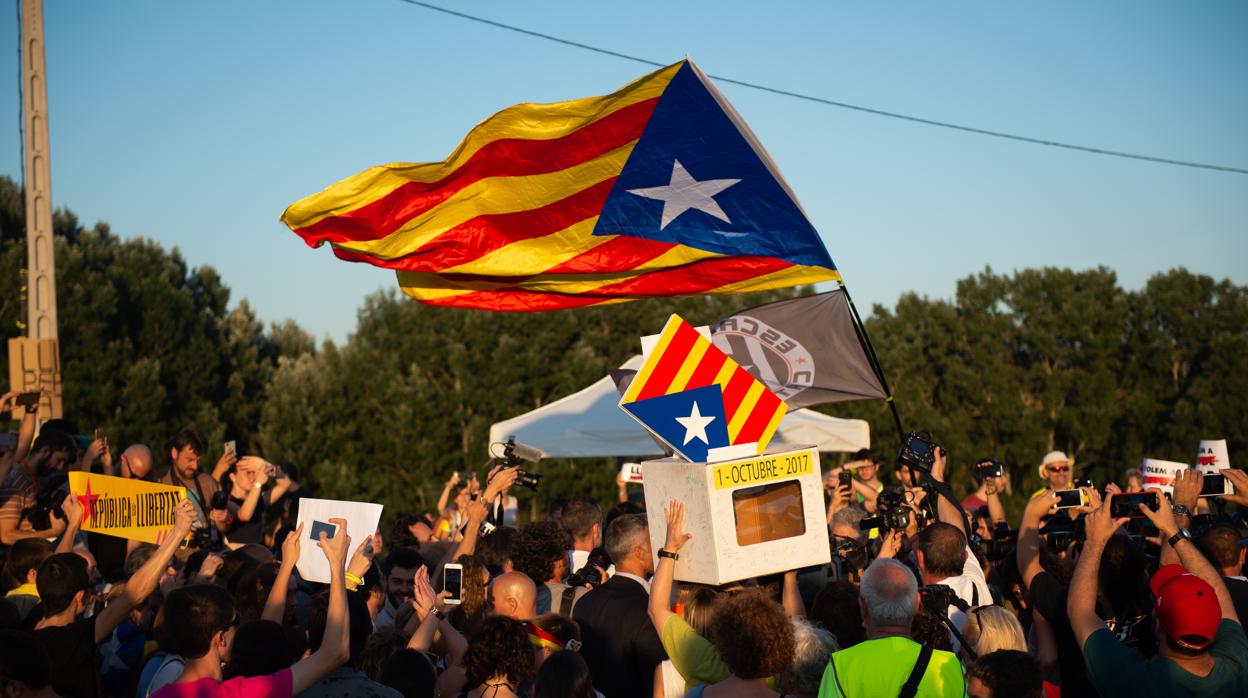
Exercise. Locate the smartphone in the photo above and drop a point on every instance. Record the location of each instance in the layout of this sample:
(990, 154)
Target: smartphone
(988, 470)
(99, 434)
(1216, 485)
(1084, 482)
(845, 479)
(1127, 505)
(1068, 499)
(453, 582)
(231, 447)
(27, 399)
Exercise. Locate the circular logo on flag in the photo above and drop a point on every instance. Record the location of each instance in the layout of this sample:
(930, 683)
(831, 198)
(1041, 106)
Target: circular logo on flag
(773, 357)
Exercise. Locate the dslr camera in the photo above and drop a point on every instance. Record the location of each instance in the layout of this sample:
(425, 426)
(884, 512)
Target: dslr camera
(514, 454)
(939, 597)
(894, 512)
(1000, 546)
(51, 492)
(588, 575)
(918, 450)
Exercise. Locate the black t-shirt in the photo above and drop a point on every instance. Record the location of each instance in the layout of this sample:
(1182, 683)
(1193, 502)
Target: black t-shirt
(247, 531)
(1239, 597)
(72, 651)
(1048, 596)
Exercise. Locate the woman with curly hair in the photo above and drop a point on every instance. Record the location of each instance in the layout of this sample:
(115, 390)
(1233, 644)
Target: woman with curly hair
(754, 638)
(499, 659)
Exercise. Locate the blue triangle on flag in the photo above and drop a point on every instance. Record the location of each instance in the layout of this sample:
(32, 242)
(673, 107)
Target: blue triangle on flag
(690, 127)
(692, 422)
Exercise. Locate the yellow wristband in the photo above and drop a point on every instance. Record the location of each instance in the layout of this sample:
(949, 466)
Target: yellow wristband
(351, 578)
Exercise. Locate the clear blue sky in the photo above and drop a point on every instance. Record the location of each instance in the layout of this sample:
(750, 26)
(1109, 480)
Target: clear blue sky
(196, 124)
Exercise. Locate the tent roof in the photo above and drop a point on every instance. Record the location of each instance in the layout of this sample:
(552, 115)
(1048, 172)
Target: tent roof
(590, 424)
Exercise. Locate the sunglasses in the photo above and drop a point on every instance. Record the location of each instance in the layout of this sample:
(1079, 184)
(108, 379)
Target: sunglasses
(1063, 469)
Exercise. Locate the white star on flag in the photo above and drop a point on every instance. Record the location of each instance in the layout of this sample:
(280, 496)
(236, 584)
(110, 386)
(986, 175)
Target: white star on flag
(684, 192)
(695, 426)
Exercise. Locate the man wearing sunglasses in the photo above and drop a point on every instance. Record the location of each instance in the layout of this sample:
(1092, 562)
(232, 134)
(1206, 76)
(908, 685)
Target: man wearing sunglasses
(1056, 472)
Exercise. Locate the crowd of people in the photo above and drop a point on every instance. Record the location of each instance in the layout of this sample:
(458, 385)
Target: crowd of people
(927, 594)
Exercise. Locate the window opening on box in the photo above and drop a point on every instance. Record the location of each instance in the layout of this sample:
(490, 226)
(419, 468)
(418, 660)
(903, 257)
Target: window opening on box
(768, 512)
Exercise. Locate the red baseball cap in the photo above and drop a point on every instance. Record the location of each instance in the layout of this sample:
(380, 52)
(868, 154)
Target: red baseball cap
(1186, 606)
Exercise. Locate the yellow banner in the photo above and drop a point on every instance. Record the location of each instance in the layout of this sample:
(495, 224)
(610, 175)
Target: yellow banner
(118, 506)
(756, 471)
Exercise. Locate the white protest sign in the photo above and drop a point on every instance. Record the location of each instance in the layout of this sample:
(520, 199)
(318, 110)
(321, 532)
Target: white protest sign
(361, 517)
(631, 472)
(1159, 474)
(1211, 456)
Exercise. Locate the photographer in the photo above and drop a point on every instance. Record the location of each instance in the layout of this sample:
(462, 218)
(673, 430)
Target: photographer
(26, 485)
(889, 662)
(185, 449)
(1201, 647)
(944, 555)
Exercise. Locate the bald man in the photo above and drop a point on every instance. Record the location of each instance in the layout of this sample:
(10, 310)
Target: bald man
(513, 595)
(136, 463)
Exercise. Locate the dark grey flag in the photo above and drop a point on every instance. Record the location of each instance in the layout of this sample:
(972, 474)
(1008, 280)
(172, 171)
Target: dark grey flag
(805, 350)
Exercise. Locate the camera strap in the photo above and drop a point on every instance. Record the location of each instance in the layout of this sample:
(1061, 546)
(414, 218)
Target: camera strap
(911, 686)
(566, 600)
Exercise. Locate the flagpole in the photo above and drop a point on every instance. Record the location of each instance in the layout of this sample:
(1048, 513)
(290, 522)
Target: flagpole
(865, 340)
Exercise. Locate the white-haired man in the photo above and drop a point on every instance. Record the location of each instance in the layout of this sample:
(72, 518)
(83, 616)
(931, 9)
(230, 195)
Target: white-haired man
(888, 662)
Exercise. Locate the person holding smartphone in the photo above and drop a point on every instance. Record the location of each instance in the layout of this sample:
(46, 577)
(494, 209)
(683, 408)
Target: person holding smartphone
(249, 499)
(1201, 646)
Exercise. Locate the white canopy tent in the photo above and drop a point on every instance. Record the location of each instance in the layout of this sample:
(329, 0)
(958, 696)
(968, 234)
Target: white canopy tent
(590, 424)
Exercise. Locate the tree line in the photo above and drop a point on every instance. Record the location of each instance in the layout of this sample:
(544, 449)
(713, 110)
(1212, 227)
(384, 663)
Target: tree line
(1015, 365)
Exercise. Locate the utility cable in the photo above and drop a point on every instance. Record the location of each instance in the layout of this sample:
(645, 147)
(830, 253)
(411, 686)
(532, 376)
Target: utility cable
(842, 105)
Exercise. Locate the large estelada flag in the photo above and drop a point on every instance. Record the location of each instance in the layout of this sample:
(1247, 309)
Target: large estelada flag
(658, 189)
(693, 397)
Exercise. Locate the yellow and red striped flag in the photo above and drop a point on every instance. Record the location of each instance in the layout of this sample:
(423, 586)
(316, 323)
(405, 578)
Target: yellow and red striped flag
(657, 189)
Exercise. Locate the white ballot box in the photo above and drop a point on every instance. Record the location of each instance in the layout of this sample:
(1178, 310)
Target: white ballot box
(748, 516)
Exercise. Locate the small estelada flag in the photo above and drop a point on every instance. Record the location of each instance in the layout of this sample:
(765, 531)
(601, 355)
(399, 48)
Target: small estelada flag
(694, 398)
(118, 506)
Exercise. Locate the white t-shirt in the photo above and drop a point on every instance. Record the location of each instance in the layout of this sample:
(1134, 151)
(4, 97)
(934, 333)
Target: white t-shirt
(971, 587)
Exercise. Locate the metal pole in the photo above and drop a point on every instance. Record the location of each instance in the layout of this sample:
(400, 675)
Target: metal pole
(865, 340)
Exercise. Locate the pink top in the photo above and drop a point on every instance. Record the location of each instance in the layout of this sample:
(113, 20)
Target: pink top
(272, 686)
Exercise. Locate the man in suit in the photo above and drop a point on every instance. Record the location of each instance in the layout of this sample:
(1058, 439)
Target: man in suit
(618, 641)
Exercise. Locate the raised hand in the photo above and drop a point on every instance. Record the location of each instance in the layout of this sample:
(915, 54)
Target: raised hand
(890, 545)
(1100, 524)
(227, 460)
(1187, 486)
(72, 506)
(211, 564)
(1162, 517)
(676, 535)
(290, 546)
(1239, 481)
(257, 465)
(183, 517)
(335, 548)
(363, 557)
(502, 480)
(477, 512)
(423, 595)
